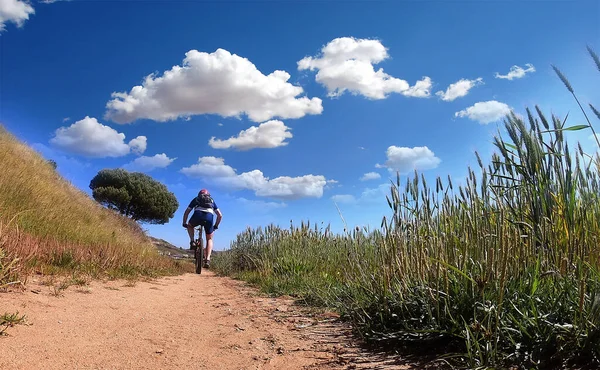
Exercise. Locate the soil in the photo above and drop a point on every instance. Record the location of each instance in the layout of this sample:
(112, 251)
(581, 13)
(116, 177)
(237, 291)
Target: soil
(182, 322)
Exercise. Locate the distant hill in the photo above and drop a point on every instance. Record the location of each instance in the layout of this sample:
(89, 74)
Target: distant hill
(168, 249)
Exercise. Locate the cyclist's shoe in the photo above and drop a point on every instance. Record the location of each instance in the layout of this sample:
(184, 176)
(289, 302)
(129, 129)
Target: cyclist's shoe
(207, 263)
(192, 246)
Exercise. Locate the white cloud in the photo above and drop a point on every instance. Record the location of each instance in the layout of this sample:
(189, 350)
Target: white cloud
(90, 138)
(375, 195)
(485, 112)
(332, 184)
(405, 160)
(346, 64)
(370, 176)
(421, 89)
(516, 72)
(66, 119)
(459, 89)
(209, 167)
(138, 145)
(289, 187)
(147, 164)
(343, 198)
(260, 205)
(217, 83)
(368, 196)
(271, 134)
(14, 11)
(214, 170)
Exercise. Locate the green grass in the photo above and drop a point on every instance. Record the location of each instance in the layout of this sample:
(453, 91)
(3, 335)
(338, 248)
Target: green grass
(49, 226)
(503, 270)
(8, 320)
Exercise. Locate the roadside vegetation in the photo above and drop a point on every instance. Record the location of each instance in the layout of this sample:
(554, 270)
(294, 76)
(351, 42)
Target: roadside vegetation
(48, 226)
(8, 320)
(501, 271)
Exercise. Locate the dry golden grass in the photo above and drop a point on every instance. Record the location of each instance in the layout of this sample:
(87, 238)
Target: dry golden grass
(48, 225)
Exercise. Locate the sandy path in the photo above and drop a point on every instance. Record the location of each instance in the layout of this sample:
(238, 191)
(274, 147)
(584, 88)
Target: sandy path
(184, 322)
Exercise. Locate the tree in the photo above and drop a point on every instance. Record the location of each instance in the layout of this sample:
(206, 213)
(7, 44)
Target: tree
(134, 195)
(52, 163)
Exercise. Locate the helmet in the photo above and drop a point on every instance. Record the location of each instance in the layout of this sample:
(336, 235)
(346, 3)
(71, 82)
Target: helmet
(204, 191)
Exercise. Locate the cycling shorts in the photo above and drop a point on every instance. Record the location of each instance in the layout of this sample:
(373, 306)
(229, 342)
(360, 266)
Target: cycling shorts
(203, 219)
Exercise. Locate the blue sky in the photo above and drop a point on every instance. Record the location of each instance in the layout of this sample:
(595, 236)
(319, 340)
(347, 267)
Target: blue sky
(280, 108)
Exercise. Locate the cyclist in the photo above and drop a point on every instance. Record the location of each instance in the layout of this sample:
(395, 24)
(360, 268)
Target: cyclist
(204, 208)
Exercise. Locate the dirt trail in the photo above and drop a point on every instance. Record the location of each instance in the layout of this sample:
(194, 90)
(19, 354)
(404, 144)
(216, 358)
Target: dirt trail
(184, 322)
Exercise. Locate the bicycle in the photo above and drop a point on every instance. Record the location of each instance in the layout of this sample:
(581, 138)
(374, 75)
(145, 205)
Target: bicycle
(199, 252)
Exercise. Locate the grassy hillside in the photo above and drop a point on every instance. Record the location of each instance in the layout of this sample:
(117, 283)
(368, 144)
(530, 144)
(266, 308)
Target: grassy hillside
(500, 272)
(48, 225)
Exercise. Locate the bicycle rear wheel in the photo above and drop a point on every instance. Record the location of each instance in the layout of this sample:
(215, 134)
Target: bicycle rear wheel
(199, 254)
(198, 257)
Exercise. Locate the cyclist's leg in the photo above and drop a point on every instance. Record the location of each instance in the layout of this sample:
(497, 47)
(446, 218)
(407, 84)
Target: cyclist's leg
(190, 230)
(209, 246)
(192, 223)
(209, 229)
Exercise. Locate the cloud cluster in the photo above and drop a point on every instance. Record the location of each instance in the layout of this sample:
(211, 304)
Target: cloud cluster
(90, 138)
(399, 159)
(343, 198)
(370, 176)
(516, 72)
(405, 160)
(347, 64)
(147, 164)
(459, 89)
(271, 134)
(485, 112)
(367, 196)
(214, 170)
(14, 11)
(138, 145)
(228, 85)
(260, 205)
(213, 83)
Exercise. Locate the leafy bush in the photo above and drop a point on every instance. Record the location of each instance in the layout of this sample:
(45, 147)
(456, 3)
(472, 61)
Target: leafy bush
(135, 195)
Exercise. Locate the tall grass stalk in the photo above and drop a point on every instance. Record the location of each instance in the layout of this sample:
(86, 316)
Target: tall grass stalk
(503, 270)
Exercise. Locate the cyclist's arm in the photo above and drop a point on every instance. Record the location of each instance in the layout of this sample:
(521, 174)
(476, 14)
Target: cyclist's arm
(219, 217)
(188, 210)
(186, 214)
